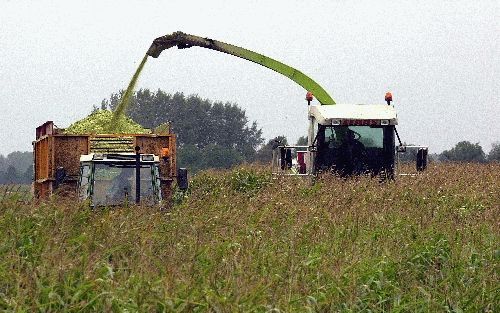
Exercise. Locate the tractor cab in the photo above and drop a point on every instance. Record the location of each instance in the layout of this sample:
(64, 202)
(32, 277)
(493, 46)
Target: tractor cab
(118, 178)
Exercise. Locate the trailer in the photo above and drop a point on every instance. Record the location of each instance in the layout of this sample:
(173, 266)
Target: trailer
(89, 166)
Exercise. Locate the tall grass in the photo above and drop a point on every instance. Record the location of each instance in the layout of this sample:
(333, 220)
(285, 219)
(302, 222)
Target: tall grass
(242, 240)
(15, 192)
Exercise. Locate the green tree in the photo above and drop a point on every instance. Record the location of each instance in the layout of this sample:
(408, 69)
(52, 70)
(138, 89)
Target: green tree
(494, 154)
(211, 156)
(11, 175)
(27, 176)
(302, 141)
(209, 134)
(3, 163)
(464, 151)
(14, 166)
(20, 160)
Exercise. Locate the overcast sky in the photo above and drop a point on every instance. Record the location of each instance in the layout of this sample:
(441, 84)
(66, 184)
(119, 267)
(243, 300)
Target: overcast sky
(440, 59)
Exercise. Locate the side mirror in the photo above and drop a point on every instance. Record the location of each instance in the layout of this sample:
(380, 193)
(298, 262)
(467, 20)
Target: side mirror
(422, 159)
(182, 179)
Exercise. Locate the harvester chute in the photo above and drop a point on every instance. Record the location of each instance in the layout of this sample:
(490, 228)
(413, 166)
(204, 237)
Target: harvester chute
(183, 41)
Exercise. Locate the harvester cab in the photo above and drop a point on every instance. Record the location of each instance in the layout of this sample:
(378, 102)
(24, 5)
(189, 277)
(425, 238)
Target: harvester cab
(347, 139)
(353, 139)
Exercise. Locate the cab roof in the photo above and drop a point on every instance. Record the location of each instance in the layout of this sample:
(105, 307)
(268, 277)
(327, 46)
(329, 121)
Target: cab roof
(115, 157)
(326, 114)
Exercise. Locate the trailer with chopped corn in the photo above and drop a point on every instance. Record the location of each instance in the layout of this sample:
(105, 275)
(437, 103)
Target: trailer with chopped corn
(106, 169)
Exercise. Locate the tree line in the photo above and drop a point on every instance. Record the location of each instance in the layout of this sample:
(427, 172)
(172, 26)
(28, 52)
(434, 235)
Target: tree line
(16, 168)
(210, 134)
(463, 151)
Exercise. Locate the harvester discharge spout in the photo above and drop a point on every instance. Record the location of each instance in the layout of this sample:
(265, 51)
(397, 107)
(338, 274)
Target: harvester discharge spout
(182, 41)
(166, 42)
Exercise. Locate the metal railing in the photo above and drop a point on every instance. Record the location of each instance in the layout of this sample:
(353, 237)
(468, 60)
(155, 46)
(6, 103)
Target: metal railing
(418, 157)
(291, 160)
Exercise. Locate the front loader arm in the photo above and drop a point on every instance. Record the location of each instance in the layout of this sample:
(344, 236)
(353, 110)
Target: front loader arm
(182, 41)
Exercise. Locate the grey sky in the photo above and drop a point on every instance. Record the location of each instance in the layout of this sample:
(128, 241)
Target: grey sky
(439, 59)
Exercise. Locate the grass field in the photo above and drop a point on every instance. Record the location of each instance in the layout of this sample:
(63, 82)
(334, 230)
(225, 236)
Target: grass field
(15, 192)
(244, 241)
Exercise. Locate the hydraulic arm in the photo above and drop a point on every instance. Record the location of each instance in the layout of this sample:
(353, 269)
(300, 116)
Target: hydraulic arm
(182, 41)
